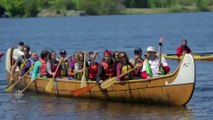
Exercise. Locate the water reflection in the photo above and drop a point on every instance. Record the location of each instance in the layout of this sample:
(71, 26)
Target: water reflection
(49, 107)
(126, 111)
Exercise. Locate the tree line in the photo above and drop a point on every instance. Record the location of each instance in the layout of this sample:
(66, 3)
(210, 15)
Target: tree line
(31, 8)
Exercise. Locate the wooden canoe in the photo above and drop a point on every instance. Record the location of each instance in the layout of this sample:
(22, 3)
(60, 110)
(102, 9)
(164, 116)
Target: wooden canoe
(173, 89)
(195, 56)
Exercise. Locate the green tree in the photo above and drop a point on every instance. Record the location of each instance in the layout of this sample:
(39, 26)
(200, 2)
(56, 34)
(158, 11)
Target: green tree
(202, 5)
(99, 7)
(31, 8)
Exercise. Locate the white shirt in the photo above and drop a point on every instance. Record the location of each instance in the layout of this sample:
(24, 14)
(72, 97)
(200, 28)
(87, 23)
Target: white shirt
(17, 52)
(154, 66)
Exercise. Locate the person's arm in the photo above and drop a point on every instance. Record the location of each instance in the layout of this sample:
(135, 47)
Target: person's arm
(179, 51)
(76, 68)
(190, 52)
(49, 71)
(99, 74)
(118, 69)
(26, 68)
(17, 63)
(165, 67)
(144, 75)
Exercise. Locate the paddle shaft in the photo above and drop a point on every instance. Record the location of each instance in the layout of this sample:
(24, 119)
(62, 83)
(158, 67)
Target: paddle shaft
(26, 86)
(204, 53)
(11, 86)
(111, 81)
(83, 90)
(160, 45)
(19, 72)
(49, 85)
(83, 78)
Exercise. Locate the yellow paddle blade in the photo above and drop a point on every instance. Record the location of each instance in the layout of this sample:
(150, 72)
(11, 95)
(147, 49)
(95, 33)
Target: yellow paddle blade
(108, 82)
(9, 88)
(49, 86)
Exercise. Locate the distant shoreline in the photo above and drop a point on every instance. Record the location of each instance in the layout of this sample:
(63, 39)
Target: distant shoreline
(163, 10)
(126, 11)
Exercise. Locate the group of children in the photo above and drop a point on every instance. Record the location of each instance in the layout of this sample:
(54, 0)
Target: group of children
(113, 64)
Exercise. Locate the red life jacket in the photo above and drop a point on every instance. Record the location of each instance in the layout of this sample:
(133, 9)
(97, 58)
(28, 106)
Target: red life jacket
(43, 67)
(93, 71)
(53, 69)
(109, 71)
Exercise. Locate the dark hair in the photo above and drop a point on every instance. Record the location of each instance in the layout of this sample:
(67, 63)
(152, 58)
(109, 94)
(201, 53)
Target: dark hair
(137, 51)
(21, 43)
(26, 47)
(184, 40)
(62, 52)
(51, 52)
(44, 53)
(125, 55)
(90, 53)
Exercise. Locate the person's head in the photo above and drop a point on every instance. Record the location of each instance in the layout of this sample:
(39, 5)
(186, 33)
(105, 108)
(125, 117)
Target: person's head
(92, 55)
(45, 54)
(115, 56)
(123, 58)
(63, 53)
(107, 55)
(52, 55)
(138, 51)
(34, 56)
(151, 52)
(184, 43)
(75, 56)
(81, 56)
(26, 50)
(21, 45)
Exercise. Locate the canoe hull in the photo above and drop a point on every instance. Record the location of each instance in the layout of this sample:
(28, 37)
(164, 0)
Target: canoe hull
(173, 89)
(196, 57)
(145, 92)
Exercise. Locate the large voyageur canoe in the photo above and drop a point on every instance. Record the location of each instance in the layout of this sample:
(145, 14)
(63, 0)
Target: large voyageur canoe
(173, 89)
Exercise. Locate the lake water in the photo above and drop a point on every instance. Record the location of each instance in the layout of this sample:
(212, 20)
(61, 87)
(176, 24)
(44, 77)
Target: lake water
(120, 32)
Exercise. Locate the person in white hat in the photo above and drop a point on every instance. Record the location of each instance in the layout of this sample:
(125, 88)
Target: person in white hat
(151, 65)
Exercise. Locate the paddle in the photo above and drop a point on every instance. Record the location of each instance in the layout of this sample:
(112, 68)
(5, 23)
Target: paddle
(160, 45)
(204, 53)
(49, 86)
(83, 78)
(16, 76)
(10, 87)
(111, 81)
(82, 90)
(20, 92)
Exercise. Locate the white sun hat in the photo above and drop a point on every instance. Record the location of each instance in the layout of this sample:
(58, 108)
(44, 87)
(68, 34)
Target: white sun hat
(150, 49)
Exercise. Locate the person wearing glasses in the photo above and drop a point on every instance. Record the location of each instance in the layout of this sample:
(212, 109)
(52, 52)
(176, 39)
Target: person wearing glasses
(123, 66)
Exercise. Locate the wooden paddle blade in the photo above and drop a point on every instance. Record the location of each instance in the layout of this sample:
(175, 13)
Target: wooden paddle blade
(82, 90)
(108, 82)
(49, 86)
(83, 81)
(9, 88)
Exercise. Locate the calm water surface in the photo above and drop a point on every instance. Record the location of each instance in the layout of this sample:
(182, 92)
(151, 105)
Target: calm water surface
(114, 33)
